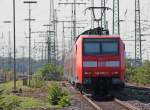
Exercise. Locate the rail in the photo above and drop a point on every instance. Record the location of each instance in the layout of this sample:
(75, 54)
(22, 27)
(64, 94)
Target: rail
(125, 106)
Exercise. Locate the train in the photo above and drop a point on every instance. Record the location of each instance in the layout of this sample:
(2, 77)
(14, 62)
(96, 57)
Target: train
(96, 62)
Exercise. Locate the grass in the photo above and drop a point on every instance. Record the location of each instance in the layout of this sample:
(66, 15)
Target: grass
(34, 103)
(9, 102)
(8, 87)
(26, 102)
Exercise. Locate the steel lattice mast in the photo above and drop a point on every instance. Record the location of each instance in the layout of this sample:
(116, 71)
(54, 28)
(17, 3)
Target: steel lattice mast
(56, 36)
(103, 14)
(51, 36)
(92, 18)
(138, 49)
(116, 19)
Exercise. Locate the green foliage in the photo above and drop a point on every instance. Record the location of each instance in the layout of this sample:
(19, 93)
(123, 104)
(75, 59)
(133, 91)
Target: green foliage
(37, 80)
(13, 102)
(10, 102)
(6, 74)
(139, 75)
(1, 91)
(47, 72)
(1, 97)
(130, 71)
(64, 101)
(7, 86)
(58, 96)
(51, 72)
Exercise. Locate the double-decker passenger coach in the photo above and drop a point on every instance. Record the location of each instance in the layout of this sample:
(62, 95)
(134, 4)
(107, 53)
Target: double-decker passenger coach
(96, 61)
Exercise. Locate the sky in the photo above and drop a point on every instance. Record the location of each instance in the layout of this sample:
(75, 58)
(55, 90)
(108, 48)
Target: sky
(40, 12)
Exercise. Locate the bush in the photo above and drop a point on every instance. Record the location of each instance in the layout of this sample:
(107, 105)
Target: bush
(64, 101)
(47, 72)
(58, 96)
(37, 80)
(51, 72)
(138, 75)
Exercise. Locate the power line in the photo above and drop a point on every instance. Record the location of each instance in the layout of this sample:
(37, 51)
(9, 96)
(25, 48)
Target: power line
(63, 34)
(73, 4)
(30, 68)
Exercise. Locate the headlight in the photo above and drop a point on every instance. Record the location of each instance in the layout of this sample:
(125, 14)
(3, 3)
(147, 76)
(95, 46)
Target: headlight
(115, 73)
(87, 73)
(89, 63)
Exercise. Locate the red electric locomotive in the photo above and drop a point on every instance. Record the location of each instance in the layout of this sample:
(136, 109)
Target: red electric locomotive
(96, 62)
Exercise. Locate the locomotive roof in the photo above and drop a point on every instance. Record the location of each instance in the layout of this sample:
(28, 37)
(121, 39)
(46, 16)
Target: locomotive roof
(97, 33)
(99, 36)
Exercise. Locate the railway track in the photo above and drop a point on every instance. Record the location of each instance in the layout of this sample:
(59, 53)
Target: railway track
(137, 87)
(115, 104)
(108, 104)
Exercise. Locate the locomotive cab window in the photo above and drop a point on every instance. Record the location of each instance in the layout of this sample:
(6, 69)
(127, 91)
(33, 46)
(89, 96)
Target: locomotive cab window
(100, 46)
(110, 47)
(91, 48)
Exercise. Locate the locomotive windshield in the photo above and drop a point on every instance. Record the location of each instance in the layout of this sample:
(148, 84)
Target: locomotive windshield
(100, 46)
(92, 48)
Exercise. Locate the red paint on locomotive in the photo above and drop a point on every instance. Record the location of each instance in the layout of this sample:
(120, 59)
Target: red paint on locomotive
(81, 65)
